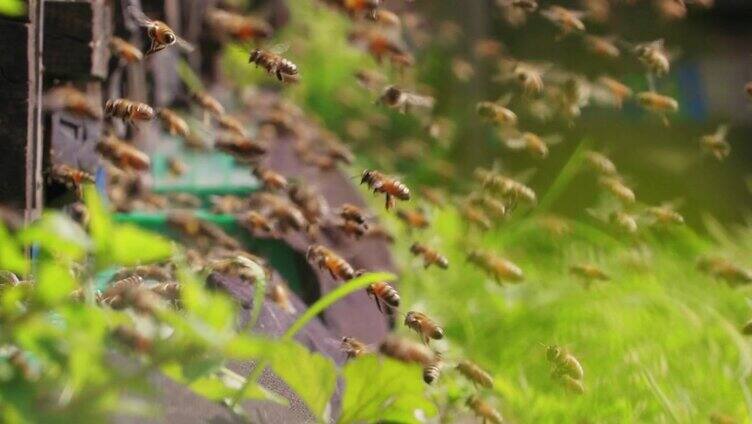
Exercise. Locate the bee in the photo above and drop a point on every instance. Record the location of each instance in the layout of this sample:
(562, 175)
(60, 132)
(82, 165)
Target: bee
(555, 225)
(430, 256)
(426, 328)
(161, 35)
(129, 111)
(654, 56)
(432, 370)
(353, 347)
(671, 9)
(232, 125)
(720, 418)
(564, 363)
(176, 167)
(227, 204)
(311, 203)
(185, 222)
(350, 212)
(380, 46)
(433, 195)
(352, 228)
(131, 338)
(383, 292)
(496, 113)
(619, 91)
(658, 103)
(125, 50)
(498, 268)
(256, 222)
(589, 273)
(378, 231)
(280, 296)
(381, 183)
(529, 77)
(219, 237)
(665, 215)
(724, 269)
(602, 46)
(275, 64)
(287, 216)
(123, 154)
(71, 100)
(146, 272)
(510, 188)
(169, 290)
(535, 145)
(476, 216)
(487, 48)
(474, 373)
(325, 258)
(716, 143)
(173, 123)
(414, 218)
(597, 10)
(528, 6)
(369, 79)
(243, 147)
(244, 266)
(573, 384)
(493, 206)
(208, 103)
(270, 179)
(566, 20)
(387, 18)
(600, 163)
(618, 188)
(402, 100)
(406, 351)
(484, 410)
(239, 27)
(624, 220)
(462, 69)
(73, 178)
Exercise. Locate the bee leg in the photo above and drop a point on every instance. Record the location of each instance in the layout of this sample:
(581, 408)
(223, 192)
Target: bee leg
(378, 304)
(664, 119)
(155, 47)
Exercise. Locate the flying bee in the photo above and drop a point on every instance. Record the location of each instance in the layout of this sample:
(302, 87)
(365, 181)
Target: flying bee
(161, 35)
(287, 216)
(724, 269)
(426, 328)
(484, 410)
(493, 206)
(379, 232)
(716, 143)
(232, 125)
(433, 195)
(280, 296)
(658, 104)
(173, 123)
(510, 188)
(624, 221)
(185, 222)
(227, 204)
(352, 228)
(353, 347)
(73, 178)
(565, 365)
(71, 100)
(350, 212)
(208, 103)
(602, 46)
(326, 259)
(402, 100)
(566, 20)
(597, 10)
(487, 48)
(146, 272)
(572, 384)
(665, 215)
(535, 145)
(242, 265)
(381, 183)
(309, 201)
(242, 147)
(496, 267)
(496, 113)
(475, 374)
(529, 77)
(413, 218)
(528, 6)
(125, 50)
(383, 292)
(430, 256)
(476, 216)
(387, 18)
(462, 69)
(618, 91)
(406, 350)
(129, 111)
(432, 370)
(256, 222)
(239, 27)
(275, 64)
(122, 154)
(176, 167)
(270, 179)
(654, 56)
(600, 163)
(618, 189)
(588, 273)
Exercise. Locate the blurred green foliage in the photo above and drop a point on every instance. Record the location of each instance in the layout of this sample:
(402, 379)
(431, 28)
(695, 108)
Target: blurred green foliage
(12, 7)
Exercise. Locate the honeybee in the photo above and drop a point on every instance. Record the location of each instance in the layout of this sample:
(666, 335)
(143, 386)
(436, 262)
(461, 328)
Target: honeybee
(413, 218)
(73, 178)
(493, 206)
(430, 256)
(475, 374)
(350, 212)
(462, 69)
(311, 203)
(227, 204)
(255, 221)
(624, 220)
(131, 338)
(535, 145)
(566, 20)
(671, 9)
(619, 91)
(185, 222)
(476, 216)
(176, 167)
(572, 384)
(129, 111)
(397, 98)
(432, 370)
(239, 27)
(326, 259)
(352, 228)
(208, 103)
(597, 10)
(123, 154)
(147, 272)
(618, 188)
(287, 216)
(391, 187)
(716, 143)
(161, 35)
(433, 195)
(724, 269)
(244, 266)
(353, 347)
(243, 147)
(565, 365)
(406, 350)
(125, 50)
(665, 215)
(381, 45)
(383, 292)
(496, 113)
(71, 100)
(589, 273)
(600, 163)
(658, 103)
(270, 179)
(602, 46)
(528, 6)
(484, 410)
(173, 122)
(275, 64)
(487, 48)
(498, 268)
(232, 125)
(654, 56)
(387, 18)
(510, 188)
(280, 296)
(426, 328)
(378, 231)
(529, 77)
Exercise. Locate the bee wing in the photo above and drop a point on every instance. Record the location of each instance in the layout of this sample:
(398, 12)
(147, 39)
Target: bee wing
(722, 131)
(553, 139)
(279, 48)
(525, 175)
(186, 46)
(505, 99)
(138, 15)
(515, 143)
(420, 100)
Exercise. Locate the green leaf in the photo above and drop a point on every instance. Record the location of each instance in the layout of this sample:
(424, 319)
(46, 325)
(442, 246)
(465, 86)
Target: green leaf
(57, 234)
(213, 308)
(11, 256)
(100, 222)
(312, 376)
(54, 283)
(382, 389)
(135, 246)
(12, 7)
